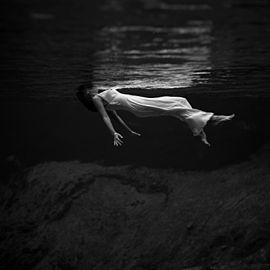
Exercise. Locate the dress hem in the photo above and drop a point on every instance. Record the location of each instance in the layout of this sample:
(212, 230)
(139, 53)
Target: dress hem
(197, 131)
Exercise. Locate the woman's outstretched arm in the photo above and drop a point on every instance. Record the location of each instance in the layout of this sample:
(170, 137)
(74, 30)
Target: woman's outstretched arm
(99, 105)
(122, 122)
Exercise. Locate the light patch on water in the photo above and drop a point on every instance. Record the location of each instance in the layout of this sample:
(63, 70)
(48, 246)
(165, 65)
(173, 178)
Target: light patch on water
(152, 57)
(156, 4)
(167, 76)
(154, 29)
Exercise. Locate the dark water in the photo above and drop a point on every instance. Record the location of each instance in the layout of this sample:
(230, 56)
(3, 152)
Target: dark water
(215, 54)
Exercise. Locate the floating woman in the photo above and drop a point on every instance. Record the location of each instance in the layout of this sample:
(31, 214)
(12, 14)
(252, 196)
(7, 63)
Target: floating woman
(108, 102)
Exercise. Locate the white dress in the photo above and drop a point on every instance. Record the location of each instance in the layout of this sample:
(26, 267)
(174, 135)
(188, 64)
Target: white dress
(177, 107)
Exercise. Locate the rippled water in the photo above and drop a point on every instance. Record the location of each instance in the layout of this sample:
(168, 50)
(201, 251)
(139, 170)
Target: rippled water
(174, 46)
(153, 57)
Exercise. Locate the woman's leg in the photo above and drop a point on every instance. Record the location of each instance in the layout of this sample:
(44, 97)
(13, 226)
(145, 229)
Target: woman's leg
(204, 138)
(218, 119)
(215, 120)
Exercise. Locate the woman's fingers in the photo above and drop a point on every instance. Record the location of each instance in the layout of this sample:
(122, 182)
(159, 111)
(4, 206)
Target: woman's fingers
(117, 143)
(117, 139)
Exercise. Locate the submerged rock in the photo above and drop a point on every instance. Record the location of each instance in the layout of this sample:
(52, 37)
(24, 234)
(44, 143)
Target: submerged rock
(72, 215)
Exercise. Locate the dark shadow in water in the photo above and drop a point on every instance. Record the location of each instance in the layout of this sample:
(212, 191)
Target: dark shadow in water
(37, 132)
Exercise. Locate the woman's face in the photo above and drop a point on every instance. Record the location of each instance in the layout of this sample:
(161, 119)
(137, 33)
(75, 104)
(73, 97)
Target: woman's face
(92, 91)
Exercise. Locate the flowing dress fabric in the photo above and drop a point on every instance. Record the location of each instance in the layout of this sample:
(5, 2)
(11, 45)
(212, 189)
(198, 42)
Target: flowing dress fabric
(166, 105)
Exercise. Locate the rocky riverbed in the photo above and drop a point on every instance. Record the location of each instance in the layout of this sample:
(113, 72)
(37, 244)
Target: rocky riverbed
(73, 215)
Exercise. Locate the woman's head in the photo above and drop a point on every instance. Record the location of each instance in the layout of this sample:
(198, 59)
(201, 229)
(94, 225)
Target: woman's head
(85, 94)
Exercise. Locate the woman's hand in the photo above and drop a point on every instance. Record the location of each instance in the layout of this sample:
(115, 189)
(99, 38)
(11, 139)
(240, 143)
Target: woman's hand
(135, 133)
(117, 139)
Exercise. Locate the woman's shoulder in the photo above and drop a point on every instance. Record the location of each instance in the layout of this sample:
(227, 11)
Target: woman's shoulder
(108, 94)
(113, 89)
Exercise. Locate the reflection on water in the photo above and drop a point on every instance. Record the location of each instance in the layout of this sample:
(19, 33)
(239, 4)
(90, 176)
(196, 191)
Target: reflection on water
(166, 6)
(152, 57)
(50, 48)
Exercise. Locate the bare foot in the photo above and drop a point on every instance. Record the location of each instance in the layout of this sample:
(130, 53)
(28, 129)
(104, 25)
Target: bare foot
(206, 142)
(218, 119)
(204, 138)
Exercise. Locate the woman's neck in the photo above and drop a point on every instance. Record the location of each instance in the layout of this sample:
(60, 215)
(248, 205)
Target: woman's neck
(92, 92)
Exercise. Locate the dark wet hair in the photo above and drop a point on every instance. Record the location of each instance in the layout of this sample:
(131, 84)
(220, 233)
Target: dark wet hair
(85, 98)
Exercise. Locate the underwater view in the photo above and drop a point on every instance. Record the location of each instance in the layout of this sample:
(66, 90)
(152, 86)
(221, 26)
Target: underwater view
(164, 200)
